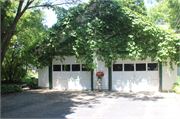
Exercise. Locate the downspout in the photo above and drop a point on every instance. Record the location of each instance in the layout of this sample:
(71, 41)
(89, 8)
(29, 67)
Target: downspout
(92, 80)
(160, 76)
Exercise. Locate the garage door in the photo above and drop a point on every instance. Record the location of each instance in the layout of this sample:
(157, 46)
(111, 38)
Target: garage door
(70, 75)
(135, 76)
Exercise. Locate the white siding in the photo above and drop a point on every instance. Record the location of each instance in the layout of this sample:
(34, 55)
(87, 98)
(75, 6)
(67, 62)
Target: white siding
(100, 67)
(43, 77)
(169, 77)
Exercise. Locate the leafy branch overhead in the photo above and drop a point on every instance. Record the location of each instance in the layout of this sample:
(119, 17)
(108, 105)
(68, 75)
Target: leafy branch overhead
(11, 13)
(166, 12)
(21, 28)
(109, 31)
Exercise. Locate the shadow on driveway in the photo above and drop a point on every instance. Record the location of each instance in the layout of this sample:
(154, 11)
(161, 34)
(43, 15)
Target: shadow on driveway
(57, 104)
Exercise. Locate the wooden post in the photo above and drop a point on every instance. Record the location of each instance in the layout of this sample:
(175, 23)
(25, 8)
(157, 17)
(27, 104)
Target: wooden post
(110, 78)
(50, 76)
(160, 76)
(92, 88)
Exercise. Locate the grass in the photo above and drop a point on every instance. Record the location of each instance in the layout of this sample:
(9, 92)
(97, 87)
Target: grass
(176, 87)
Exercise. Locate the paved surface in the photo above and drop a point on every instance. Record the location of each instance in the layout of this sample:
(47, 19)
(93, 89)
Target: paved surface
(86, 104)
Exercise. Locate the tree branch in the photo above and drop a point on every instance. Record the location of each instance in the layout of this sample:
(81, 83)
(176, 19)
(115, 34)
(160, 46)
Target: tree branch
(54, 4)
(3, 22)
(4, 48)
(20, 7)
(26, 7)
(10, 32)
(3, 37)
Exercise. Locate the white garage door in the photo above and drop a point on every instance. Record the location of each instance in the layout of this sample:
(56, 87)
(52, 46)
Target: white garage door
(70, 75)
(135, 76)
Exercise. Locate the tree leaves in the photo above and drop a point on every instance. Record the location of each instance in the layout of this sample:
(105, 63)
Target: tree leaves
(166, 12)
(109, 31)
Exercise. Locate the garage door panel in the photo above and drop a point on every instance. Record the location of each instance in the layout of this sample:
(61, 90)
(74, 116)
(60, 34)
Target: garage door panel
(153, 82)
(75, 75)
(120, 85)
(140, 76)
(60, 84)
(141, 86)
(117, 76)
(65, 75)
(153, 75)
(129, 75)
(57, 75)
(80, 80)
(74, 84)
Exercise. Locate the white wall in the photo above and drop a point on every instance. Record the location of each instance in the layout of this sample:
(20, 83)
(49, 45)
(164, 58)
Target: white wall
(43, 77)
(169, 77)
(100, 67)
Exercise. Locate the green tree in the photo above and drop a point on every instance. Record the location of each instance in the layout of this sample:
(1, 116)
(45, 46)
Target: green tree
(135, 5)
(12, 67)
(28, 31)
(11, 13)
(109, 31)
(166, 12)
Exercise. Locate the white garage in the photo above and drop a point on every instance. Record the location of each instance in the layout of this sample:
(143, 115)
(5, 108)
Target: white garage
(124, 75)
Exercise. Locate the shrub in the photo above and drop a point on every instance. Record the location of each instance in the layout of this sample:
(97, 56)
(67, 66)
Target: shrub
(12, 73)
(10, 88)
(28, 79)
(176, 87)
(32, 85)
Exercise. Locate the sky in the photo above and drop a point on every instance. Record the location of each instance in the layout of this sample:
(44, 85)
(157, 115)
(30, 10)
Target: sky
(51, 16)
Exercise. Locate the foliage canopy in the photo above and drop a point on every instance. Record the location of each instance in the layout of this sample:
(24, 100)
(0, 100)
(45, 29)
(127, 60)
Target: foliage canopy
(109, 31)
(166, 12)
(13, 11)
(135, 5)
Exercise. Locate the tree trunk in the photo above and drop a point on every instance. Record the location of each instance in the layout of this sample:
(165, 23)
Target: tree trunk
(7, 35)
(4, 49)
(3, 22)
(11, 31)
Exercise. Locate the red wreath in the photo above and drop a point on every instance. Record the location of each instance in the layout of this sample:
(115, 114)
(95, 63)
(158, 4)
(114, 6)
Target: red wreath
(100, 73)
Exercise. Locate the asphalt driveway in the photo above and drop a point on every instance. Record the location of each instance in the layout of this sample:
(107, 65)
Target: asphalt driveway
(43, 103)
